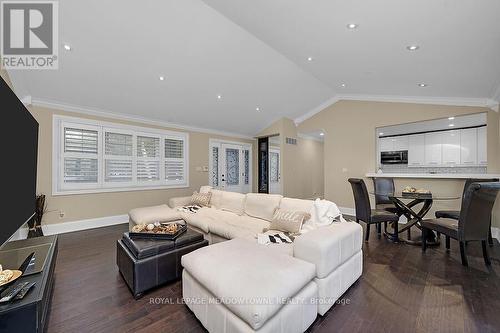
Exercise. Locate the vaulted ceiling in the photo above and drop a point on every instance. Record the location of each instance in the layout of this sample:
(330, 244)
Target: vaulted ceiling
(237, 66)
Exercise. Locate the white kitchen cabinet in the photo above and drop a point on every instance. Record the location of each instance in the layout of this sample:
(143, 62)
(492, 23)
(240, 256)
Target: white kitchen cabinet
(416, 150)
(468, 147)
(400, 143)
(386, 144)
(433, 149)
(482, 146)
(451, 148)
(394, 143)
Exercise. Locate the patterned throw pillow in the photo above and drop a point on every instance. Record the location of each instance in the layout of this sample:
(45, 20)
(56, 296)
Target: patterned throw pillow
(202, 199)
(288, 221)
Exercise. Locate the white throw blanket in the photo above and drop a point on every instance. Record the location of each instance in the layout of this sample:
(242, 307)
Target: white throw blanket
(323, 213)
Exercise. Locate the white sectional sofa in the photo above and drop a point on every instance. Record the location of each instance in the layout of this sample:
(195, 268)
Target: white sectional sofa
(335, 250)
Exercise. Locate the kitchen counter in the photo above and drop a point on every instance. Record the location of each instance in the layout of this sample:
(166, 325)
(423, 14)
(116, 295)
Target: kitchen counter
(433, 175)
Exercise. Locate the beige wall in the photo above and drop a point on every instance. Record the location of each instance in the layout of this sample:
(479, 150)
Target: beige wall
(350, 144)
(86, 206)
(310, 161)
(302, 164)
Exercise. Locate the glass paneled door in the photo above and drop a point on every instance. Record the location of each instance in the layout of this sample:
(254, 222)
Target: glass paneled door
(274, 171)
(230, 167)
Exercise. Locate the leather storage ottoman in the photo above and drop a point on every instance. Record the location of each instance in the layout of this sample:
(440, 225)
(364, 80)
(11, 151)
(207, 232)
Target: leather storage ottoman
(146, 264)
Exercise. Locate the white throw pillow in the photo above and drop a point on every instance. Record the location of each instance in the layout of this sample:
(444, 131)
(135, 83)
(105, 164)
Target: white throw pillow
(288, 220)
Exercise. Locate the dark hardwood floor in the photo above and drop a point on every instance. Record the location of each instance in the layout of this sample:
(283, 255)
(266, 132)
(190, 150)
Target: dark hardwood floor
(401, 290)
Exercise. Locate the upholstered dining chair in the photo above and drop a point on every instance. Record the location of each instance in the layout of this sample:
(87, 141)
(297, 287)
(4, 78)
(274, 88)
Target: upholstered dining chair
(455, 214)
(363, 208)
(383, 188)
(473, 222)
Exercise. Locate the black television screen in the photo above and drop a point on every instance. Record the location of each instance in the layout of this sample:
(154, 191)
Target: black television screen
(19, 161)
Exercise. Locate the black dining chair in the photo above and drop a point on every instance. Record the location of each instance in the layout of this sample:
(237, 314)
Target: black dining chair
(383, 188)
(473, 222)
(455, 214)
(363, 208)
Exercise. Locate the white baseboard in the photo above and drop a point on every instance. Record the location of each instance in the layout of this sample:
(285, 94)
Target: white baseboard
(348, 211)
(61, 228)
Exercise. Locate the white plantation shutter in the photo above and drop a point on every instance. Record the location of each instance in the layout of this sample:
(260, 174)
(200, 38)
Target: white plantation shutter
(92, 156)
(175, 166)
(118, 159)
(80, 155)
(80, 170)
(148, 159)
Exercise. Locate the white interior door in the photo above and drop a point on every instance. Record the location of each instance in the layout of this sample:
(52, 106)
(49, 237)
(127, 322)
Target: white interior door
(274, 171)
(230, 167)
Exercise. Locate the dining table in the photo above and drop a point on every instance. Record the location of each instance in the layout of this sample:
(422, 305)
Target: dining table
(414, 206)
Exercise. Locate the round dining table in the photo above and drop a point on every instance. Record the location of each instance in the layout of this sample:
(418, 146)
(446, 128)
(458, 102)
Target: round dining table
(414, 206)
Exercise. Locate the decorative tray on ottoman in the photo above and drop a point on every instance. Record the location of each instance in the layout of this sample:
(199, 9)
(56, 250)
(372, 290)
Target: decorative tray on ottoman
(166, 230)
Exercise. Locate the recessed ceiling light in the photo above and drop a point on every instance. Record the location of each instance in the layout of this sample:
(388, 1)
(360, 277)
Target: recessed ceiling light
(412, 47)
(380, 134)
(451, 125)
(67, 47)
(343, 85)
(422, 85)
(352, 26)
(309, 59)
(257, 109)
(219, 96)
(162, 78)
(321, 133)
(451, 118)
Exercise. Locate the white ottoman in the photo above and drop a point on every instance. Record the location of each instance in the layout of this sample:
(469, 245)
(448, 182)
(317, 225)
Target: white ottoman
(145, 215)
(239, 286)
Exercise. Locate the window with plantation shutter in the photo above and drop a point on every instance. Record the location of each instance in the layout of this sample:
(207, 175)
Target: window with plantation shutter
(148, 159)
(80, 156)
(92, 156)
(174, 161)
(118, 159)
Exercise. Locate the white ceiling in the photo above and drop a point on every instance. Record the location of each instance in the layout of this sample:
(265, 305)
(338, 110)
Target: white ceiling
(119, 50)
(254, 54)
(459, 41)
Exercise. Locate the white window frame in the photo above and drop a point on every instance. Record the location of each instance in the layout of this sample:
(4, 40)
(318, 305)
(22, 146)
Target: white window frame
(60, 188)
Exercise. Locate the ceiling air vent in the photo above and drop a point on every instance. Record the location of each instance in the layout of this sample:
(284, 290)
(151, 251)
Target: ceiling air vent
(291, 141)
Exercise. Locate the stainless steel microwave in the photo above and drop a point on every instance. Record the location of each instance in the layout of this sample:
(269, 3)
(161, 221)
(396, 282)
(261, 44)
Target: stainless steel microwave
(394, 157)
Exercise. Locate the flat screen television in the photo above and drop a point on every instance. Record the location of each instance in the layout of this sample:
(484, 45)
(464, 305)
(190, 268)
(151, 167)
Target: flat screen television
(19, 135)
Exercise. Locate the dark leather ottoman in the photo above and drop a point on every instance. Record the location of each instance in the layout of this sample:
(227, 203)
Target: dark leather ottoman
(146, 264)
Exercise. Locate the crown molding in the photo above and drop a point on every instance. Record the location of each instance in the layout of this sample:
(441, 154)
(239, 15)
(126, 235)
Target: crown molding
(137, 119)
(317, 109)
(26, 100)
(452, 101)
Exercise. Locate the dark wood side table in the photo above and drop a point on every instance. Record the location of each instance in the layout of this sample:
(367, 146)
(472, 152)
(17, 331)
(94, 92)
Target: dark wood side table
(30, 313)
